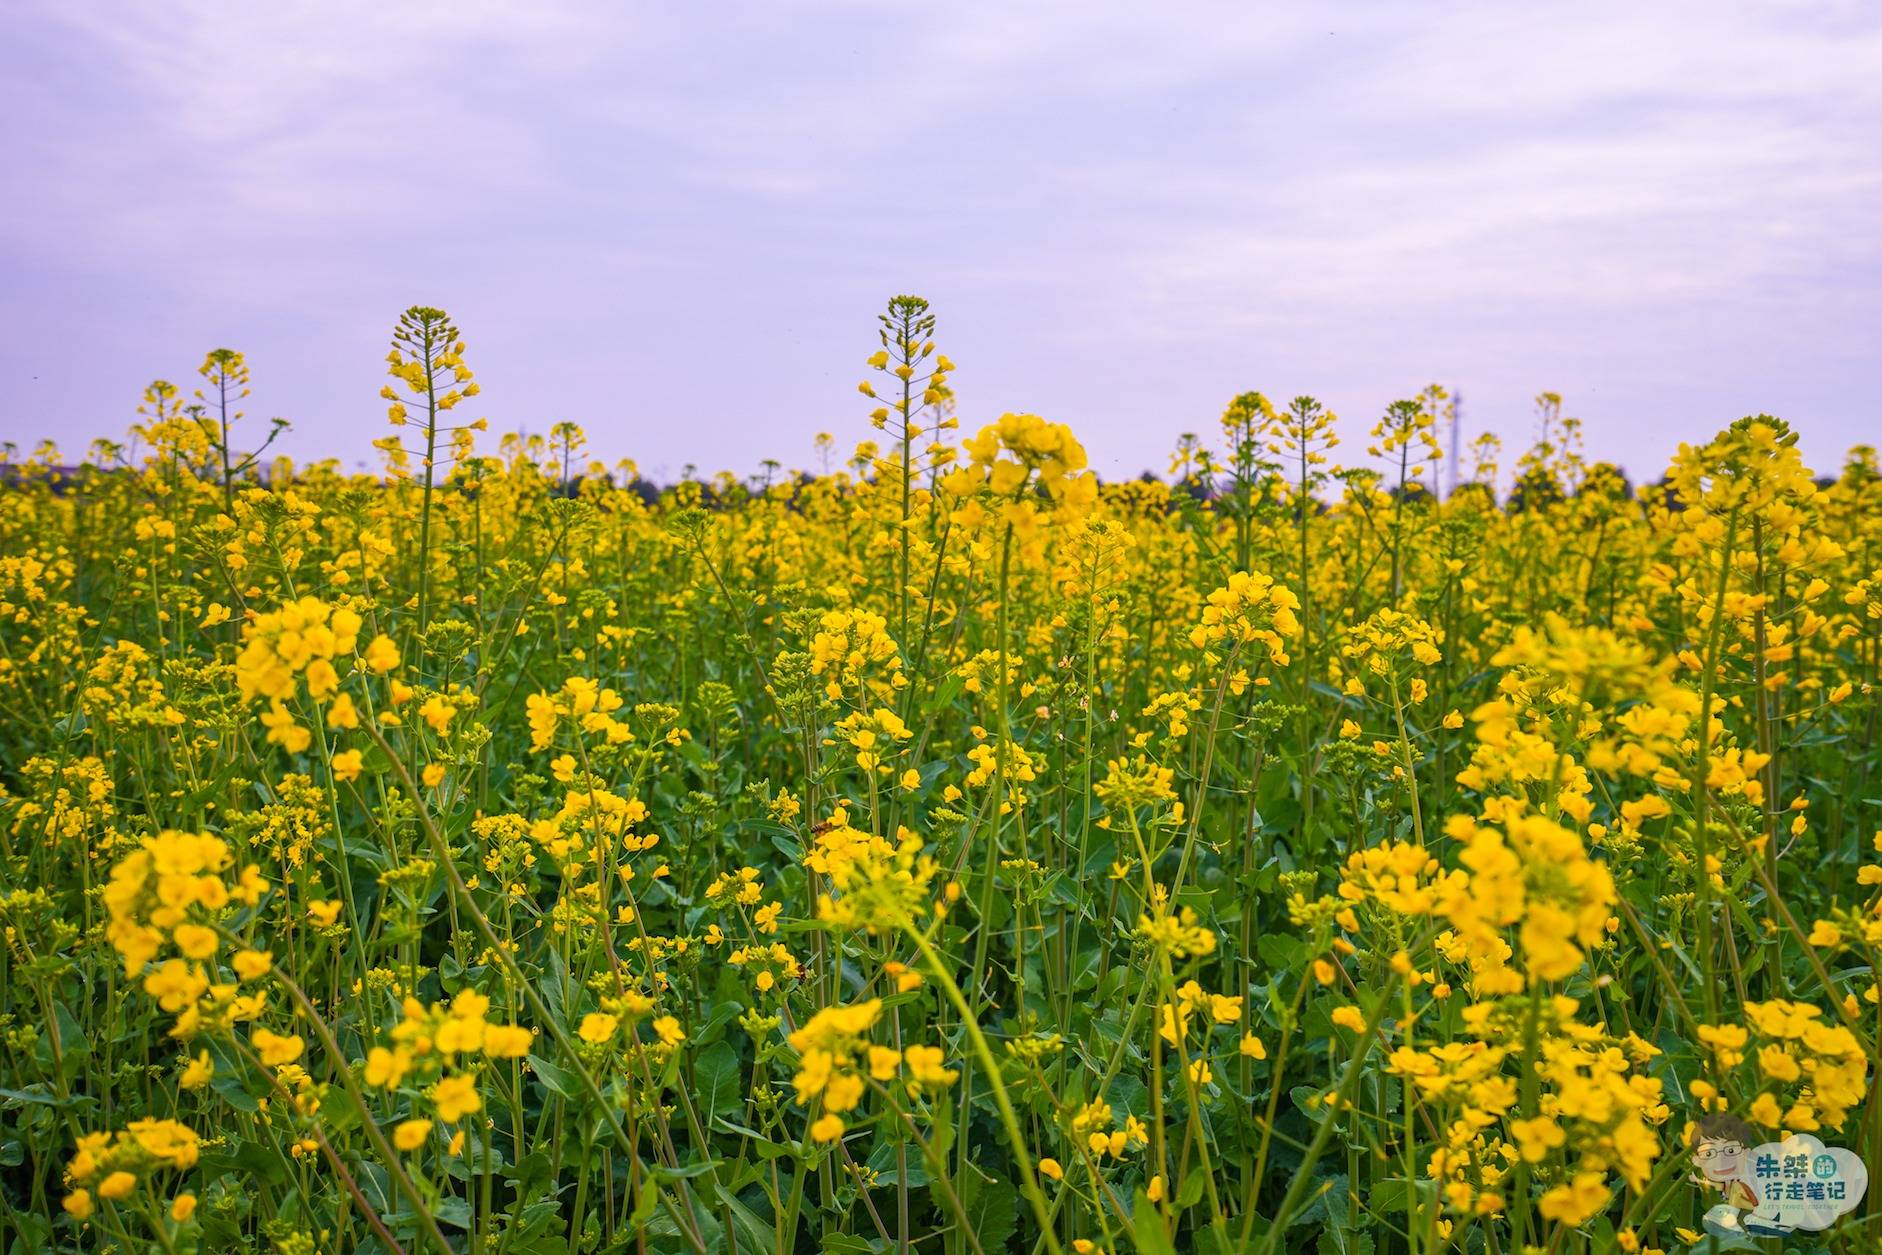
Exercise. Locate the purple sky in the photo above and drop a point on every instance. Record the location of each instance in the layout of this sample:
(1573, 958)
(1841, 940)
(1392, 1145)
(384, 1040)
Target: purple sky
(674, 224)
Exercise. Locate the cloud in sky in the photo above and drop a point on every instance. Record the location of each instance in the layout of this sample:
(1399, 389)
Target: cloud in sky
(674, 225)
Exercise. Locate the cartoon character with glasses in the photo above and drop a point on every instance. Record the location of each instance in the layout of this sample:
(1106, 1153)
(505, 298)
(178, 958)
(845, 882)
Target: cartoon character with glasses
(1721, 1153)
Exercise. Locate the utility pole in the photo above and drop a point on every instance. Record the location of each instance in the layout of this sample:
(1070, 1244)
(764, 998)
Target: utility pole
(1457, 420)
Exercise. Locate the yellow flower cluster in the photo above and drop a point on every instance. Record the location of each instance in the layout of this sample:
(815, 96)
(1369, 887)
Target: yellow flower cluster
(873, 735)
(1809, 1073)
(854, 653)
(836, 1062)
(881, 889)
(113, 1165)
(582, 701)
(1536, 878)
(1391, 647)
(1091, 1126)
(431, 1046)
(164, 891)
(299, 641)
(1251, 609)
(1022, 449)
(1401, 877)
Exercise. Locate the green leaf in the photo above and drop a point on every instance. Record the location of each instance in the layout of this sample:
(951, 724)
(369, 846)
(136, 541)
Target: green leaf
(1278, 950)
(455, 1212)
(883, 1161)
(74, 1045)
(644, 1205)
(531, 1175)
(1308, 1101)
(1147, 1228)
(31, 1096)
(850, 1244)
(545, 1243)
(944, 694)
(717, 1080)
(941, 1135)
(1329, 1203)
(1334, 1241)
(754, 1230)
(232, 1089)
(992, 1211)
(560, 1081)
(764, 1146)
